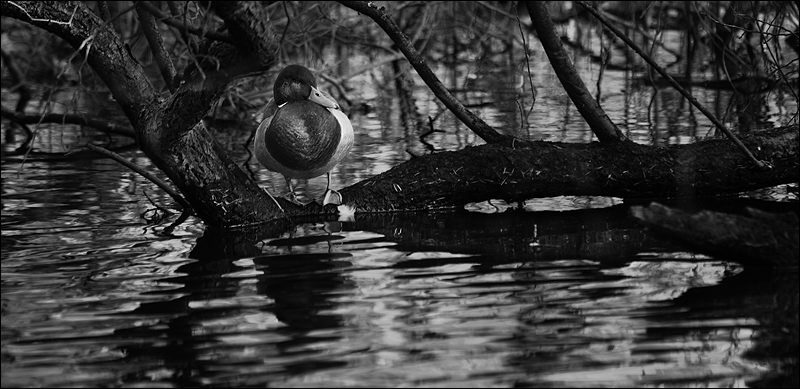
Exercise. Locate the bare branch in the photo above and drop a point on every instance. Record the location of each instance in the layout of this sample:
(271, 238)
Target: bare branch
(100, 125)
(34, 20)
(134, 93)
(472, 121)
(19, 83)
(175, 12)
(248, 24)
(760, 164)
(154, 39)
(590, 109)
(130, 165)
(183, 27)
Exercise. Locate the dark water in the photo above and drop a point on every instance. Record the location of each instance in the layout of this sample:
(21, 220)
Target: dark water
(571, 293)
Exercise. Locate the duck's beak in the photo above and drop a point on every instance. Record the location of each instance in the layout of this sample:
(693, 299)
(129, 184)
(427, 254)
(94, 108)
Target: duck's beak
(320, 98)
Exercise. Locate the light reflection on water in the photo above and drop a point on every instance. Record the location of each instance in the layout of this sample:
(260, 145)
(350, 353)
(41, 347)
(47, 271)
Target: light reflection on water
(93, 296)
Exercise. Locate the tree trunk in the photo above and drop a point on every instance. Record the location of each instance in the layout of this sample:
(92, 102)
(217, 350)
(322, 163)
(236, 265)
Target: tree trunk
(520, 170)
(170, 131)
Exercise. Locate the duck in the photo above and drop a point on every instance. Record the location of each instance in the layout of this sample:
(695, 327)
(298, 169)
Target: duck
(308, 134)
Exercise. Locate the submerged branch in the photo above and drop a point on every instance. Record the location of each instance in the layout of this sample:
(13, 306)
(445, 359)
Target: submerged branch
(759, 239)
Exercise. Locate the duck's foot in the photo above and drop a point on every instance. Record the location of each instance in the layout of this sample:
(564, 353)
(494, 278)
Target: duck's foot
(332, 197)
(293, 198)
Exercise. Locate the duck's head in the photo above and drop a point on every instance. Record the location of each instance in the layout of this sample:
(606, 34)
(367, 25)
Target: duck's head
(296, 83)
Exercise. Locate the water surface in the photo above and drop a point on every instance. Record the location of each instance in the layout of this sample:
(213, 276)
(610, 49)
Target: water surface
(570, 293)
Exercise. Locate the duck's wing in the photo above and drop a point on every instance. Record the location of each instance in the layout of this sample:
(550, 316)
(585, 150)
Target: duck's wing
(267, 111)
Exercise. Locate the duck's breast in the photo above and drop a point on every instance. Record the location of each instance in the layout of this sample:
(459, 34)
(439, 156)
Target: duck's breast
(303, 136)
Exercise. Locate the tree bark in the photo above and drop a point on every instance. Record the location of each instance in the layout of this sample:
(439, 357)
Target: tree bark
(520, 170)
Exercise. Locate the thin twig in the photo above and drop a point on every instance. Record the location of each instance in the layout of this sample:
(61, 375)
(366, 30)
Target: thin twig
(760, 164)
(176, 12)
(165, 211)
(17, 77)
(182, 218)
(773, 56)
(32, 19)
(67, 118)
(524, 120)
(130, 165)
(430, 131)
(647, 36)
(179, 25)
(476, 124)
(336, 84)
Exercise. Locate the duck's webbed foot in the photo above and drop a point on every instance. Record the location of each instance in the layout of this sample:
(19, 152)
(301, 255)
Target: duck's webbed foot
(293, 198)
(332, 197)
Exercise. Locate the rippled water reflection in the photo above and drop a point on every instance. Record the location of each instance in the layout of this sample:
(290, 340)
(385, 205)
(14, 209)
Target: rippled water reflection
(571, 293)
(367, 303)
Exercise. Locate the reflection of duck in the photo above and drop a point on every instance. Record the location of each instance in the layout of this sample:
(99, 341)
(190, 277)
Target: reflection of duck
(304, 289)
(308, 134)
